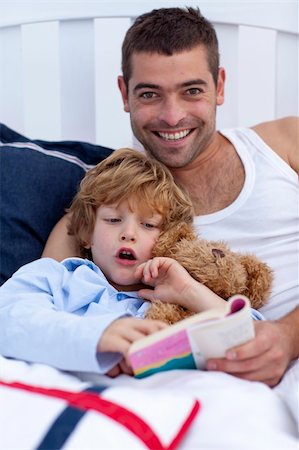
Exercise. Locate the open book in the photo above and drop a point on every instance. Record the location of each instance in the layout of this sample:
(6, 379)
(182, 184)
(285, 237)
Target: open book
(188, 344)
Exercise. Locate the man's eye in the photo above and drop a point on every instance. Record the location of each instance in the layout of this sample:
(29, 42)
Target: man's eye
(148, 95)
(194, 91)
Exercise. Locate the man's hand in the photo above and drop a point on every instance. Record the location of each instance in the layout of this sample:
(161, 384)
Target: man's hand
(265, 358)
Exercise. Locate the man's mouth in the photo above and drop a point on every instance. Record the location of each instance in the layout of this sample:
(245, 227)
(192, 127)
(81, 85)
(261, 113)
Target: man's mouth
(175, 136)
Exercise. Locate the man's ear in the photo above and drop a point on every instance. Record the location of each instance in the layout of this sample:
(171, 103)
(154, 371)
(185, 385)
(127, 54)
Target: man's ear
(124, 92)
(220, 86)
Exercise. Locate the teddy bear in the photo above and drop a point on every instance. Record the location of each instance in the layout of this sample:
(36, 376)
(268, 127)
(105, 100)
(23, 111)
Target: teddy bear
(213, 264)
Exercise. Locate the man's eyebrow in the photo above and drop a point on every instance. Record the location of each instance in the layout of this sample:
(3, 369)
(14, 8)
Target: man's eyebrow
(192, 82)
(145, 86)
(188, 83)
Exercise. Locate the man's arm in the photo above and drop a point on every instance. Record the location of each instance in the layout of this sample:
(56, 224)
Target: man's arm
(60, 244)
(276, 344)
(268, 355)
(283, 137)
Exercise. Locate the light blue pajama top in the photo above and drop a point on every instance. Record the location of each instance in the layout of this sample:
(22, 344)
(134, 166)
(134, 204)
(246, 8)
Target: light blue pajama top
(55, 313)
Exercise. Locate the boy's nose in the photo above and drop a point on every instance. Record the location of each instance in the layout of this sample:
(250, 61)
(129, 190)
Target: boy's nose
(128, 237)
(128, 232)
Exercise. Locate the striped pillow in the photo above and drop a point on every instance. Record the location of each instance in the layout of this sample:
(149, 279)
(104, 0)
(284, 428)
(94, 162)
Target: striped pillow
(38, 181)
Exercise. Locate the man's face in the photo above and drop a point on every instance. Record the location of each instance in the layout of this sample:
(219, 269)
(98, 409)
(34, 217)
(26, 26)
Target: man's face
(172, 104)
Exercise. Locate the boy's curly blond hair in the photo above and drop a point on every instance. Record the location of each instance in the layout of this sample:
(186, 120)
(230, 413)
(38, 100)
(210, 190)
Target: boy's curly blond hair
(128, 174)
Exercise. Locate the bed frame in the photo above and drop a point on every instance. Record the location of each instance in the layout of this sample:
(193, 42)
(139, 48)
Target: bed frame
(60, 61)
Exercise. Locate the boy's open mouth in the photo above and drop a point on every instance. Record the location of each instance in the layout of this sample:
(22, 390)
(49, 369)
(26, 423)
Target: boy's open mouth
(126, 254)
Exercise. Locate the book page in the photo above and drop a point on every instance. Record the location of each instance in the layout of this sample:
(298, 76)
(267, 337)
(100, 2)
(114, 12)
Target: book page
(213, 339)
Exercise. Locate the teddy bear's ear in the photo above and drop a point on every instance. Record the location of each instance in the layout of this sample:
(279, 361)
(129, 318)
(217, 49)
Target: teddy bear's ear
(259, 280)
(171, 236)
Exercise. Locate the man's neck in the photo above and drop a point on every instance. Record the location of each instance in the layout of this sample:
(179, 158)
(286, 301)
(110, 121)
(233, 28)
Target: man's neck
(215, 179)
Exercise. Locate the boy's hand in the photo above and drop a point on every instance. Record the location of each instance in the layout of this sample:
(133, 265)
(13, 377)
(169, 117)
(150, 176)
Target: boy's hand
(169, 279)
(173, 284)
(123, 332)
(121, 367)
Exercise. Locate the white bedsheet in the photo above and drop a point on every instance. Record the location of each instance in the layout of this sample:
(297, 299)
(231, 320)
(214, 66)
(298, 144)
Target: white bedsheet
(234, 414)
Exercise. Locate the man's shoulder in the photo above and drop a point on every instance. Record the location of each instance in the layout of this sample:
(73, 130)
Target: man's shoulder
(282, 135)
(273, 128)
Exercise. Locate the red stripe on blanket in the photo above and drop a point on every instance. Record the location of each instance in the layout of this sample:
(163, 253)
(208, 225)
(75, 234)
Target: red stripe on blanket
(90, 401)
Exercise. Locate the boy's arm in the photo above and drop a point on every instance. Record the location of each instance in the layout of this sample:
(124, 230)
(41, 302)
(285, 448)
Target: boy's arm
(37, 323)
(60, 244)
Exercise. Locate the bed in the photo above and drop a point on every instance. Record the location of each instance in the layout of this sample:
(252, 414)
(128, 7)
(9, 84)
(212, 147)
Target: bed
(59, 108)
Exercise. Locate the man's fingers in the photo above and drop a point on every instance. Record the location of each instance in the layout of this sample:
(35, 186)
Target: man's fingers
(262, 368)
(250, 350)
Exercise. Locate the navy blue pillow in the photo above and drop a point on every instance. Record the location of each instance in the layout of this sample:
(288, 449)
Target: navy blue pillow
(38, 180)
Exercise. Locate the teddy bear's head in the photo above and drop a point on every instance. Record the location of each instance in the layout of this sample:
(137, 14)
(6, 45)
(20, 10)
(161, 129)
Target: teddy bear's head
(212, 263)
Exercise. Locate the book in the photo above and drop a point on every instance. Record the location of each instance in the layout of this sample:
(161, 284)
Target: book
(189, 343)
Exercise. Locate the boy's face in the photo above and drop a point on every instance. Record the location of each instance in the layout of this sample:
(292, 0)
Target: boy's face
(123, 238)
(172, 104)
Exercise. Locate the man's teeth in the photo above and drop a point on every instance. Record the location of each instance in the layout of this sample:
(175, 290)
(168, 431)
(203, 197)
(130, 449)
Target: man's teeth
(174, 136)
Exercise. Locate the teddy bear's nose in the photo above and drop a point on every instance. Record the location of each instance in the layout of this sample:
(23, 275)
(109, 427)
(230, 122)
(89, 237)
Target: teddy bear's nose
(217, 252)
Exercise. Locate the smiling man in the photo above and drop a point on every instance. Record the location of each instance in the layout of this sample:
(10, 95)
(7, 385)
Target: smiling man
(171, 85)
(174, 118)
(243, 182)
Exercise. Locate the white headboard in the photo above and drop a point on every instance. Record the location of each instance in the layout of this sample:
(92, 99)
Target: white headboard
(59, 62)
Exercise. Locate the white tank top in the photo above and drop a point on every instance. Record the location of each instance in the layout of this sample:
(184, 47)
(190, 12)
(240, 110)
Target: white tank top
(264, 218)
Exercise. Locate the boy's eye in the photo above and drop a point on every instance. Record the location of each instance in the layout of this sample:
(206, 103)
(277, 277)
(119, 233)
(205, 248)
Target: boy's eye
(149, 225)
(112, 220)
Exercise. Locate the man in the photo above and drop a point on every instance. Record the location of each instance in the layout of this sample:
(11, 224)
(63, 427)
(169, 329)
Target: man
(242, 182)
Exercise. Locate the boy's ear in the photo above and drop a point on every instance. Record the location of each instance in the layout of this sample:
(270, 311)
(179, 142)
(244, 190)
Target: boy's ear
(86, 241)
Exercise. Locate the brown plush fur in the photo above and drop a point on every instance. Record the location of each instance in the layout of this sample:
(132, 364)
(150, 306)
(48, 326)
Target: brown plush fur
(213, 264)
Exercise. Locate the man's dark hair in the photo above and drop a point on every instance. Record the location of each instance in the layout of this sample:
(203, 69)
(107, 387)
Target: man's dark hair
(168, 31)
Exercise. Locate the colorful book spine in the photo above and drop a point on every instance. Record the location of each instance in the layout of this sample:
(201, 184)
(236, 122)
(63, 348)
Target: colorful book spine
(172, 352)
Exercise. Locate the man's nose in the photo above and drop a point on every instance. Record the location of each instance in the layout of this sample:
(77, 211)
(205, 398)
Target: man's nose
(172, 112)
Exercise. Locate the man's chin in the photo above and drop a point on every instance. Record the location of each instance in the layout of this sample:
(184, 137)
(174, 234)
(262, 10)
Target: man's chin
(172, 160)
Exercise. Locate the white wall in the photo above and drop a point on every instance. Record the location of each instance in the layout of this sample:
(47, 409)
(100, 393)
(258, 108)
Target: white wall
(58, 80)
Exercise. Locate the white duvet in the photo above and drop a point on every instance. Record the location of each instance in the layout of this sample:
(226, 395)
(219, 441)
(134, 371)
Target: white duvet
(179, 409)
